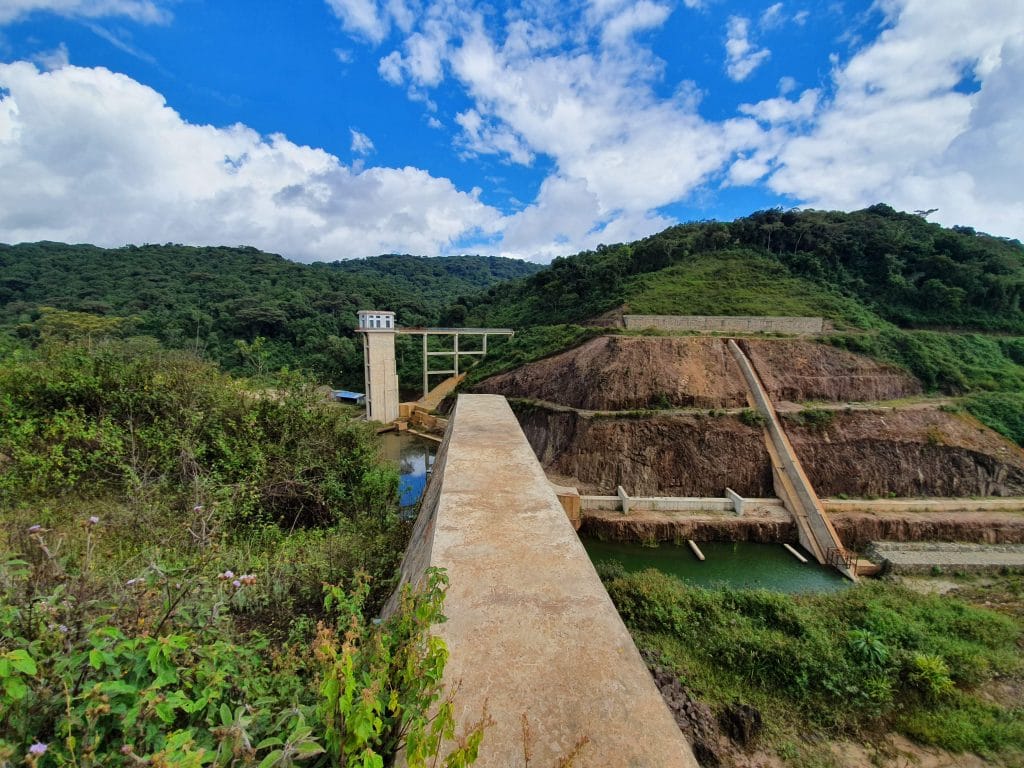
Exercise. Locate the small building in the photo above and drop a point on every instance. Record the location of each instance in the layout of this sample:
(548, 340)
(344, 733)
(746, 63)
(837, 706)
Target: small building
(376, 320)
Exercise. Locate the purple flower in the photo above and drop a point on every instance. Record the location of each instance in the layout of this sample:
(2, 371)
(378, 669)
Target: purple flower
(226, 575)
(35, 528)
(93, 520)
(63, 628)
(236, 583)
(37, 749)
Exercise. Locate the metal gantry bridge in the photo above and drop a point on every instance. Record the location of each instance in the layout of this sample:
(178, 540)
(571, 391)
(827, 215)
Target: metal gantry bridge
(454, 353)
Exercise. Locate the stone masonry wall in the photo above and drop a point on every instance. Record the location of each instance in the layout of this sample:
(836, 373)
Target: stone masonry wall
(727, 324)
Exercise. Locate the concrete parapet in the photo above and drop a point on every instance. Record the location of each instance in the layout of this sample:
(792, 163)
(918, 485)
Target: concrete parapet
(623, 499)
(531, 630)
(658, 503)
(727, 323)
(738, 502)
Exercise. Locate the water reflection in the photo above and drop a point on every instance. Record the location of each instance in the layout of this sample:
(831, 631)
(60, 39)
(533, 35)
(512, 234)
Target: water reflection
(735, 564)
(414, 458)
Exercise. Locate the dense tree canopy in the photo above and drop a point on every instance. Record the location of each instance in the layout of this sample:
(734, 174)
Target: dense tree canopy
(220, 301)
(895, 266)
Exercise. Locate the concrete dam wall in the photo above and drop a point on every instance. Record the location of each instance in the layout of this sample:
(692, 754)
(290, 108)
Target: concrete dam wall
(531, 630)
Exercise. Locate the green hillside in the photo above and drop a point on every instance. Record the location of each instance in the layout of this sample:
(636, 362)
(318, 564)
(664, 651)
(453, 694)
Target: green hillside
(207, 299)
(945, 304)
(856, 268)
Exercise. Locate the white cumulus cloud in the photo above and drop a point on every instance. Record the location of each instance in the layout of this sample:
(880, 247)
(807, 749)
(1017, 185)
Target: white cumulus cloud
(742, 57)
(88, 155)
(901, 129)
(361, 143)
(143, 11)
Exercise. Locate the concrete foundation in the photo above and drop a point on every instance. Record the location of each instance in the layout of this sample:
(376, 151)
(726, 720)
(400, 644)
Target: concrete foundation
(531, 630)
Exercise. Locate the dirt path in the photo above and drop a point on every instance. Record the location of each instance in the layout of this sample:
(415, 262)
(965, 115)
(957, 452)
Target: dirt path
(784, 406)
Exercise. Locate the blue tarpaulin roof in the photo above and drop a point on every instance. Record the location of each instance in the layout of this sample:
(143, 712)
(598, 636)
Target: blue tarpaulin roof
(344, 394)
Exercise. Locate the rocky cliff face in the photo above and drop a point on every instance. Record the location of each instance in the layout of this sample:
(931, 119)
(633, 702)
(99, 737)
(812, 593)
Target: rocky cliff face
(908, 453)
(861, 453)
(670, 455)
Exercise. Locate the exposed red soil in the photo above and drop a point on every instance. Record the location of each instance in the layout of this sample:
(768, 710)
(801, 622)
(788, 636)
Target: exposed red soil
(613, 373)
(856, 529)
(669, 455)
(617, 373)
(799, 370)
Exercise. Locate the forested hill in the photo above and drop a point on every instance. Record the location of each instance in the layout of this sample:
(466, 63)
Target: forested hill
(860, 269)
(212, 298)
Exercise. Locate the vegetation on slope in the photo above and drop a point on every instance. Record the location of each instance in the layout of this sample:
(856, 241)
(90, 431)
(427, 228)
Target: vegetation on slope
(894, 265)
(165, 544)
(220, 301)
(740, 282)
(873, 658)
(897, 289)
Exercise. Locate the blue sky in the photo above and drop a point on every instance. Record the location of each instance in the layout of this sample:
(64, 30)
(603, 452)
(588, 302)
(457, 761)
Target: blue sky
(340, 128)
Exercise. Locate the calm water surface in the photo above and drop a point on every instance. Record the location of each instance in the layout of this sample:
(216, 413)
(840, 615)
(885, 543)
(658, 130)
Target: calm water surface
(414, 458)
(740, 564)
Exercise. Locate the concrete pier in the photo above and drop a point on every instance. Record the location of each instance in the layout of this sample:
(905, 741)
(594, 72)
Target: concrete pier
(531, 630)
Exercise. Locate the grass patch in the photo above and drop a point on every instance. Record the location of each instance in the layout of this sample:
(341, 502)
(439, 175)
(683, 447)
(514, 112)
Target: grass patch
(954, 363)
(872, 657)
(1002, 411)
(740, 282)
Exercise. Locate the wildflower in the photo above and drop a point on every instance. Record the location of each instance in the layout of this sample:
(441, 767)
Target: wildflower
(39, 748)
(63, 629)
(247, 578)
(197, 508)
(236, 583)
(35, 528)
(93, 520)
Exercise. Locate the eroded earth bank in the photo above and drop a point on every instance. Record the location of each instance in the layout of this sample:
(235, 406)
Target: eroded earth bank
(668, 416)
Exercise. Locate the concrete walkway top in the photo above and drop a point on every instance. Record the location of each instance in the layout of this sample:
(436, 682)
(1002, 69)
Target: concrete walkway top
(531, 630)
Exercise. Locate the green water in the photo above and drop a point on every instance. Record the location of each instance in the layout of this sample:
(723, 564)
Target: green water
(740, 564)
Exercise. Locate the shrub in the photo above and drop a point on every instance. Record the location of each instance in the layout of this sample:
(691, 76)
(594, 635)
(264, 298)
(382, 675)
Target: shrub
(752, 417)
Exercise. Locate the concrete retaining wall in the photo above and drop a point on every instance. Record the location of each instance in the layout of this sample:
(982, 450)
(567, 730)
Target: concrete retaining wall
(933, 557)
(658, 504)
(727, 324)
(531, 630)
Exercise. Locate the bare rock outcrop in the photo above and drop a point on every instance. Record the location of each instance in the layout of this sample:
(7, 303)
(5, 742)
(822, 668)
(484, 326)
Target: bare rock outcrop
(908, 453)
(860, 453)
(667, 455)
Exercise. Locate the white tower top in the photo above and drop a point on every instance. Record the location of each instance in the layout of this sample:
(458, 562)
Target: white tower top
(376, 320)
